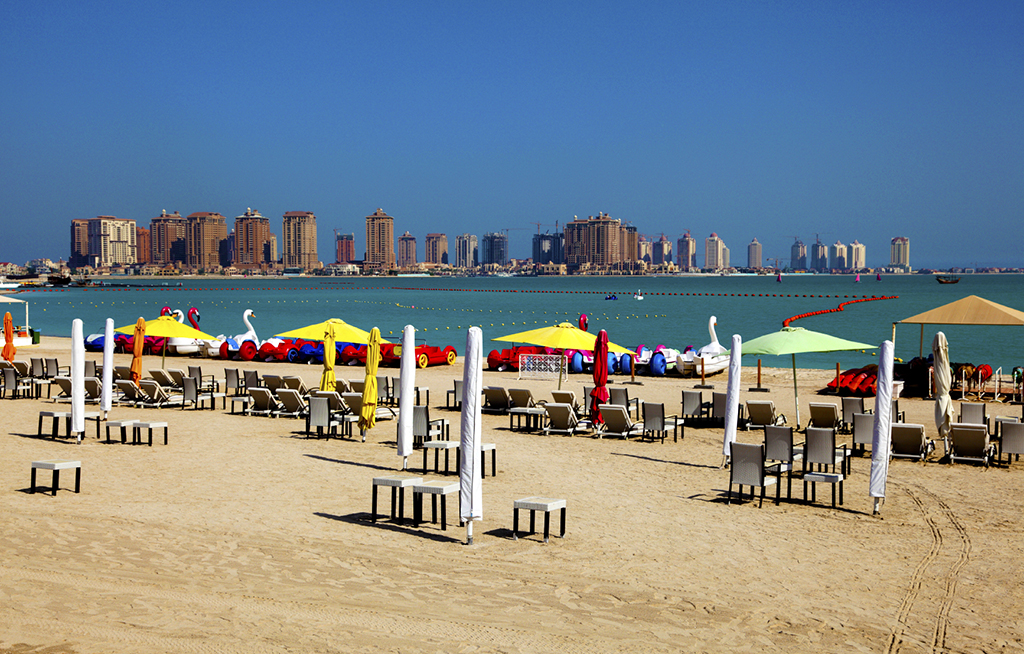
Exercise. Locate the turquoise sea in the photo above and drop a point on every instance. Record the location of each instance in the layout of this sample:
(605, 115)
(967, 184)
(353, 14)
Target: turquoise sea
(675, 310)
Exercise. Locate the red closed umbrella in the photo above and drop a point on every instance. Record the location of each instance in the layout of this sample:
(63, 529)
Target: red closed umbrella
(599, 395)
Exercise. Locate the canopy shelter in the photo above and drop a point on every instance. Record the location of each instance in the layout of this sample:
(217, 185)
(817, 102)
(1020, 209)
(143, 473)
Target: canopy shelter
(971, 310)
(165, 327)
(563, 336)
(7, 299)
(343, 332)
(797, 340)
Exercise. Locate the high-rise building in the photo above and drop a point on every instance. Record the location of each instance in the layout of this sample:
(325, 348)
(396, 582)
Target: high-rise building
(754, 255)
(837, 256)
(205, 234)
(686, 248)
(798, 256)
(143, 246)
(406, 251)
(466, 251)
(380, 242)
(298, 229)
(112, 241)
(252, 232)
(436, 247)
(494, 249)
(857, 256)
(644, 250)
(79, 243)
(167, 236)
(270, 253)
(629, 245)
(714, 253)
(899, 253)
(549, 248)
(345, 248)
(819, 256)
(604, 239)
(661, 251)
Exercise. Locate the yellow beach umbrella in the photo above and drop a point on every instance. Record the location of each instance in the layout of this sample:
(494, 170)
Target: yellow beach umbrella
(368, 415)
(327, 379)
(9, 349)
(563, 336)
(343, 332)
(166, 327)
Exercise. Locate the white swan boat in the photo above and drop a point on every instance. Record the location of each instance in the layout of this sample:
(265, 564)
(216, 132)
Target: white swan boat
(712, 356)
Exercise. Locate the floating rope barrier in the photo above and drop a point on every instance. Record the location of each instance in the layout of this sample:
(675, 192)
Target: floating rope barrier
(842, 305)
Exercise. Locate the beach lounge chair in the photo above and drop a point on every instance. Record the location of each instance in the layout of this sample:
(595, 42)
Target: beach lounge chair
(909, 442)
(974, 413)
(694, 409)
(620, 395)
(357, 385)
(522, 404)
(656, 423)
(263, 402)
(567, 397)
(292, 404)
(424, 429)
(24, 368)
(562, 419)
(64, 384)
(342, 386)
(453, 398)
(863, 431)
(340, 411)
(824, 415)
(163, 378)
(852, 405)
(355, 404)
(969, 442)
(781, 451)
(762, 413)
(295, 384)
(820, 450)
(93, 390)
(130, 392)
(496, 400)
(319, 416)
(156, 396)
(617, 422)
(16, 385)
(123, 372)
(1012, 443)
(747, 468)
(178, 376)
(90, 369)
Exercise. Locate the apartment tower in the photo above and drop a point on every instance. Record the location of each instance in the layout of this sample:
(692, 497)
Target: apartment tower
(857, 256)
(205, 231)
(380, 242)
(798, 256)
(79, 243)
(436, 249)
(406, 251)
(466, 251)
(899, 253)
(345, 248)
(112, 241)
(837, 256)
(754, 255)
(714, 253)
(298, 229)
(252, 232)
(686, 249)
(167, 237)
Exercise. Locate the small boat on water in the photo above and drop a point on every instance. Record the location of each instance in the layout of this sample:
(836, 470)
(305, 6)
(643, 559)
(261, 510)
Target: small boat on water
(878, 277)
(858, 279)
(947, 279)
(611, 297)
(638, 295)
(779, 278)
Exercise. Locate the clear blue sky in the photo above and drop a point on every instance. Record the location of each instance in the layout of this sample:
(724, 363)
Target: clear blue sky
(750, 119)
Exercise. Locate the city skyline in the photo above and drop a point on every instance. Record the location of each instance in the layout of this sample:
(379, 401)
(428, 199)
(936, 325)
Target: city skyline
(772, 120)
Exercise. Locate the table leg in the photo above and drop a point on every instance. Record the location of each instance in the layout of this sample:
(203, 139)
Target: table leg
(562, 535)
(424, 460)
(78, 479)
(444, 513)
(533, 526)
(394, 496)
(515, 524)
(483, 464)
(417, 508)
(32, 487)
(401, 505)
(39, 431)
(165, 435)
(151, 437)
(547, 524)
(373, 506)
(56, 481)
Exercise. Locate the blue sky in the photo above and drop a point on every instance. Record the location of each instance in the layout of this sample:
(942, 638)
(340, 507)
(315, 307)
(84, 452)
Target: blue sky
(750, 119)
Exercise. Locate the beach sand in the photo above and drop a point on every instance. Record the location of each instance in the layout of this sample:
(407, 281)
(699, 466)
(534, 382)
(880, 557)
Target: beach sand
(243, 536)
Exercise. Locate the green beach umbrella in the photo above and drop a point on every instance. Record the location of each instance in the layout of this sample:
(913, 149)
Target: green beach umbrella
(797, 340)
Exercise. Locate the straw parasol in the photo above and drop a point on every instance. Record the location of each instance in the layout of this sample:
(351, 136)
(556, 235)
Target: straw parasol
(563, 336)
(9, 350)
(327, 379)
(971, 310)
(797, 340)
(599, 395)
(368, 414)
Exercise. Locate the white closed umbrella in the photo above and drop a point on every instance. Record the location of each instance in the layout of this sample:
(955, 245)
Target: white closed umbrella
(943, 382)
(732, 397)
(470, 484)
(406, 399)
(881, 435)
(107, 396)
(77, 379)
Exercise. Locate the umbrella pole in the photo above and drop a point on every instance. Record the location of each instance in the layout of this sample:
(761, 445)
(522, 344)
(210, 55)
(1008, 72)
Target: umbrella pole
(469, 532)
(796, 395)
(920, 348)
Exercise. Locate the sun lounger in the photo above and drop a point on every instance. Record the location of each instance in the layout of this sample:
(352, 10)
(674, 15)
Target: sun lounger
(970, 442)
(909, 442)
(355, 403)
(64, 383)
(617, 422)
(824, 416)
(522, 404)
(263, 402)
(762, 413)
(292, 404)
(163, 378)
(156, 396)
(620, 395)
(295, 384)
(562, 419)
(130, 392)
(93, 390)
(567, 397)
(496, 400)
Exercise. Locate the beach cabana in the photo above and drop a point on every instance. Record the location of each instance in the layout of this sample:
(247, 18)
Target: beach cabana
(971, 310)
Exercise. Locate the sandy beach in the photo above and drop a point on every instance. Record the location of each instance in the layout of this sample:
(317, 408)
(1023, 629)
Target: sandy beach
(242, 535)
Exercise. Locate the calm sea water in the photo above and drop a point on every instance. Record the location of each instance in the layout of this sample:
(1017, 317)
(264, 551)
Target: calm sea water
(675, 310)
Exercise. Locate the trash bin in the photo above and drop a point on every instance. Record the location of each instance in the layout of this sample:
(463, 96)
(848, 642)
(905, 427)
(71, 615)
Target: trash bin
(35, 337)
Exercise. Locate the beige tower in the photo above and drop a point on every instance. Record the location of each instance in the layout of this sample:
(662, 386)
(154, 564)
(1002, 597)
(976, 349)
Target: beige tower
(298, 230)
(380, 241)
(205, 232)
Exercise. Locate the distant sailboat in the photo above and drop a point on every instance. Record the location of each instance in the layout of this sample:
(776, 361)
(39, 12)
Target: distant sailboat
(858, 278)
(779, 278)
(878, 277)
